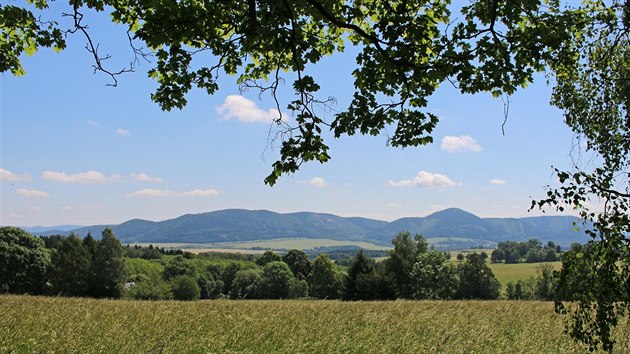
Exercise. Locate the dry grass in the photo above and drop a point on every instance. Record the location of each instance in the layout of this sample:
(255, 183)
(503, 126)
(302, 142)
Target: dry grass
(39, 324)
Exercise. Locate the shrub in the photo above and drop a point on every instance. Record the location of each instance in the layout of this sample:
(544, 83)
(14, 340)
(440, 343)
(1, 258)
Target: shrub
(184, 287)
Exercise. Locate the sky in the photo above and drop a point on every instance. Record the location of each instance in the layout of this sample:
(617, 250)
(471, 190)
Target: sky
(75, 151)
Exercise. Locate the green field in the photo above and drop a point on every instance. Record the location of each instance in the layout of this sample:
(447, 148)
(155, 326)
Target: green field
(40, 324)
(274, 244)
(518, 271)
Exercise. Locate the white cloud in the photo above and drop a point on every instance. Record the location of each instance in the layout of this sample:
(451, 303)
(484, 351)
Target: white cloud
(92, 123)
(16, 216)
(150, 192)
(122, 132)
(8, 176)
(245, 110)
(394, 205)
(498, 181)
(34, 208)
(424, 179)
(80, 178)
(143, 177)
(32, 193)
(460, 143)
(316, 182)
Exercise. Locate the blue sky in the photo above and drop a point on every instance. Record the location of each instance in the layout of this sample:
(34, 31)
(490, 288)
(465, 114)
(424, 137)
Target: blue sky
(74, 151)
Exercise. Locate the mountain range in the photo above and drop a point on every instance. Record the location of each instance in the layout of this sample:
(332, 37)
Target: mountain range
(443, 229)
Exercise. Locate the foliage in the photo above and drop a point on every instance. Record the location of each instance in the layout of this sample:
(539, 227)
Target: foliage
(298, 262)
(298, 289)
(276, 280)
(547, 282)
(325, 282)
(184, 287)
(376, 285)
(531, 251)
(595, 312)
(228, 275)
(432, 277)
(23, 262)
(476, 280)
(23, 33)
(209, 287)
(149, 289)
(268, 257)
(71, 268)
(521, 289)
(543, 286)
(494, 46)
(178, 266)
(137, 251)
(108, 267)
(401, 260)
(246, 285)
(89, 243)
(151, 269)
(360, 266)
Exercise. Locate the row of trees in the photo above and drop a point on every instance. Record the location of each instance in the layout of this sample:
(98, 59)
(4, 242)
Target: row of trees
(411, 271)
(71, 267)
(531, 251)
(85, 267)
(543, 286)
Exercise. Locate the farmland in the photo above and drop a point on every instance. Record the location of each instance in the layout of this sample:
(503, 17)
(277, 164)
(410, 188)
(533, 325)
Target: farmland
(39, 324)
(517, 271)
(256, 247)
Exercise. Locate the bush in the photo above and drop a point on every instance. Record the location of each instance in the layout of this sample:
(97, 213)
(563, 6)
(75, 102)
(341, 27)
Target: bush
(246, 285)
(184, 287)
(276, 279)
(149, 289)
(299, 289)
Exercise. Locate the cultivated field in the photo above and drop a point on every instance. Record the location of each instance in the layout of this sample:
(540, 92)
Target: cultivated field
(38, 324)
(259, 246)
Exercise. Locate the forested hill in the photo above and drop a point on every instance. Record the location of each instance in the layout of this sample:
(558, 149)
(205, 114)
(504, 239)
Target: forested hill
(244, 225)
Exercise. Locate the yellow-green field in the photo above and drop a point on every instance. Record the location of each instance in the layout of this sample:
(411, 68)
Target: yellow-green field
(518, 271)
(39, 324)
(274, 244)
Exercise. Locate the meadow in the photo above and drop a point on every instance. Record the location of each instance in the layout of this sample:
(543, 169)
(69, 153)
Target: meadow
(518, 271)
(258, 246)
(50, 324)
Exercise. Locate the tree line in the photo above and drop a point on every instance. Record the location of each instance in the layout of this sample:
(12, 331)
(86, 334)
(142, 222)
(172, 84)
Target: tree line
(531, 251)
(71, 266)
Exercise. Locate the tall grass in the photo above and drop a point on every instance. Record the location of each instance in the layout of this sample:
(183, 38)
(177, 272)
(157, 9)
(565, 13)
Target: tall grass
(39, 324)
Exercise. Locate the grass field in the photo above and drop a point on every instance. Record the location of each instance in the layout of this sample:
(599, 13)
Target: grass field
(39, 324)
(518, 271)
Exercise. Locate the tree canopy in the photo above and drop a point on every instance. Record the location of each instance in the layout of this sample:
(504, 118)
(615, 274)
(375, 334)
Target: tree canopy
(23, 262)
(406, 50)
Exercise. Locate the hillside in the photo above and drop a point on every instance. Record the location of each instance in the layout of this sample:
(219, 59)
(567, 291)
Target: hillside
(446, 229)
